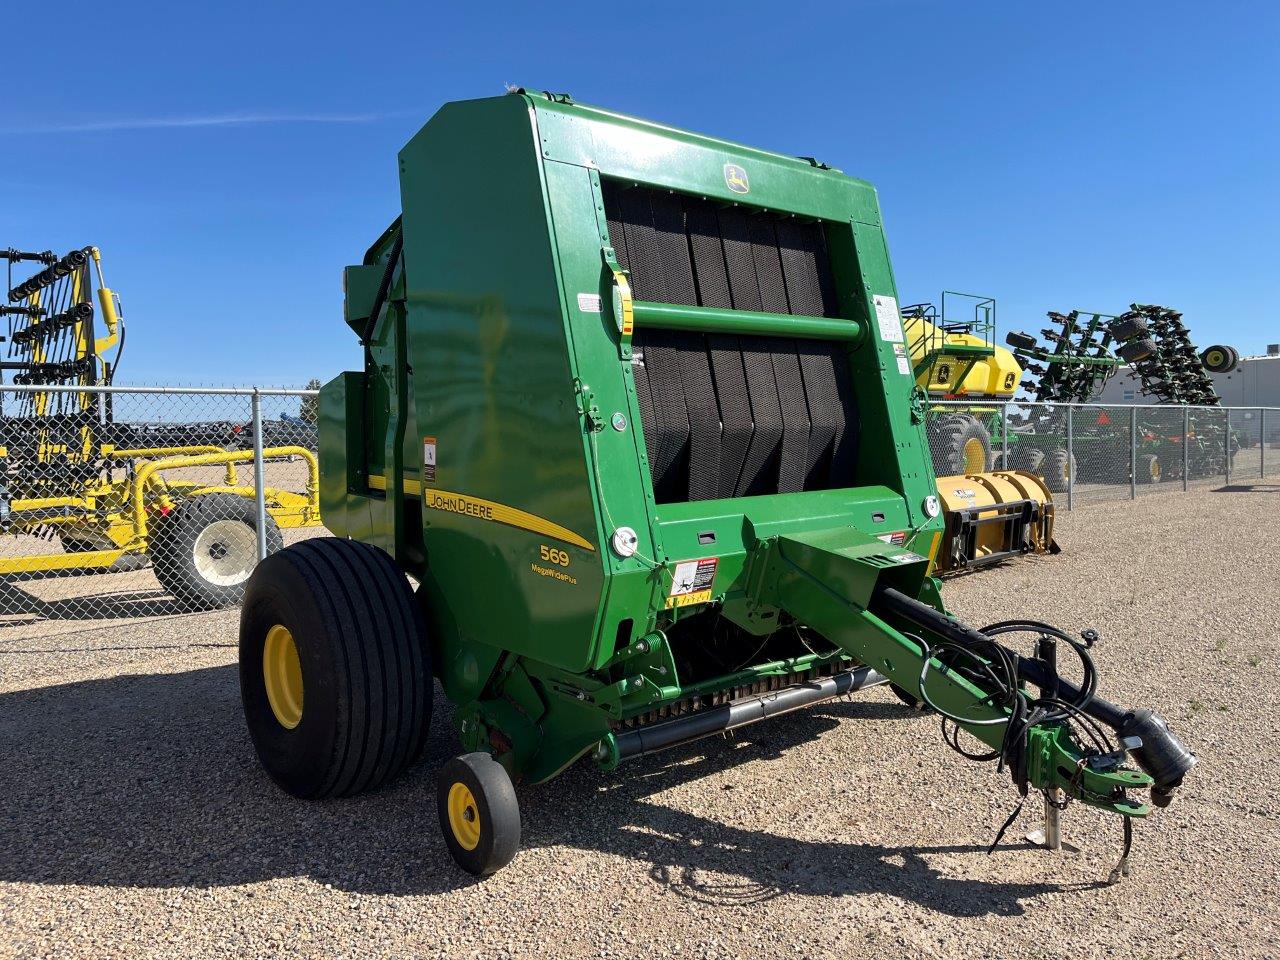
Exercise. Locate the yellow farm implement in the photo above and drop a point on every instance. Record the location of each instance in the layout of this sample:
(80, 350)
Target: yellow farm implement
(112, 496)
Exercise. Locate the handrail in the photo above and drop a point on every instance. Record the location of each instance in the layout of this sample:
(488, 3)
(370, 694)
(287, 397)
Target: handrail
(147, 470)
(671, 316)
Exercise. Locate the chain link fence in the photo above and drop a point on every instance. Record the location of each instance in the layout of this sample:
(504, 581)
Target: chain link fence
(136, 502)
(146, 502)
(1095, 452)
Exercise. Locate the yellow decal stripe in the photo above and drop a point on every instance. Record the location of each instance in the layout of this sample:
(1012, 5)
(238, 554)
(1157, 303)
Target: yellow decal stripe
(482, 509)
(933, 554)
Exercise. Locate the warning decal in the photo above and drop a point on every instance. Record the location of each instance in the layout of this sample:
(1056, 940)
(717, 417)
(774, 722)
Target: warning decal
(691, 582)
(429, 459)
(887, 318)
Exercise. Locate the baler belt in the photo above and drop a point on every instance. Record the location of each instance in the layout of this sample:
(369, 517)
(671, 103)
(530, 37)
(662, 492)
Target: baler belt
(723, 415)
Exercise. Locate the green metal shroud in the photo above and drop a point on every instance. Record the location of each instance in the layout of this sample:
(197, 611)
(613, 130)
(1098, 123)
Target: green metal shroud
(493, 445)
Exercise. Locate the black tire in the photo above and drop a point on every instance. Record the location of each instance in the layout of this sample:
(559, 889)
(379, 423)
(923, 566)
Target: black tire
(490, 800)
(954, 443)
(1148, 468)
(1128, 328)
(1026, 458)
(1136, 350)
(1057, 469)
(1020, 341)
(1219, 358)
(364, 697)
(204, 566)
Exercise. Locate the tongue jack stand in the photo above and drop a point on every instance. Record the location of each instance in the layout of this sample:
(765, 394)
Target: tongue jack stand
(1050, 835)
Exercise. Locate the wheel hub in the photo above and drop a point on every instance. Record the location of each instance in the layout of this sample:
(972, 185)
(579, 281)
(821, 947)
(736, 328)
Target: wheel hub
(464, 816)
(282, 675)
(225, 552)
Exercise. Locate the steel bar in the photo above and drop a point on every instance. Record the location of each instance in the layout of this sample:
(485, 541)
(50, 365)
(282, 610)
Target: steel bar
(259, 477)
(1186, 449)
(1071, 452)
(714, 320)
(1133, 453)
(740, 713)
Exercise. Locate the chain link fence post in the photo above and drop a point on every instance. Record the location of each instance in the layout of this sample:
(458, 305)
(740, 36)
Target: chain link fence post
(1133, 452)
(1071, 456)
(1226, 444)
(259, 476)
(1262, 441)
(1186, 448)
(1004, 436)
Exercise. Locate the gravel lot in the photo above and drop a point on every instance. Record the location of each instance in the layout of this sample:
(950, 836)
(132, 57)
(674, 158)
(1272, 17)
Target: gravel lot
(136, 821)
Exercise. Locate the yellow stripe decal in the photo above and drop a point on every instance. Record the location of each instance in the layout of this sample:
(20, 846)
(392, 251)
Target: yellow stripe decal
(933, 554)
(481, 509)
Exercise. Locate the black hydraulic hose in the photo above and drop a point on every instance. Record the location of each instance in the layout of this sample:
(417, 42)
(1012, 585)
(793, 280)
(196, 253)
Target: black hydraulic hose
(1160, 754)
(384, 287)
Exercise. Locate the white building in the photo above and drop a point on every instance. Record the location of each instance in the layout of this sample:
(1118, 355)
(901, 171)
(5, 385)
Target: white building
(1255, 383)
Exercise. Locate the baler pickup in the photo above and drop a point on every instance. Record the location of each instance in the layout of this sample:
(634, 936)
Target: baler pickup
(662, 475)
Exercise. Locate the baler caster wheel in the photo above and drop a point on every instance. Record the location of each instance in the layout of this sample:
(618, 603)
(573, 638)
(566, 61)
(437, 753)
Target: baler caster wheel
(479, 813)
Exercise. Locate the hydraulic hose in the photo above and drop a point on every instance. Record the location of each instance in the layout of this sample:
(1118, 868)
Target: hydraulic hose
(1160, 753)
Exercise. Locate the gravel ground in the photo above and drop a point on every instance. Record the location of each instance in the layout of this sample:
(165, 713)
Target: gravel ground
(136, 820)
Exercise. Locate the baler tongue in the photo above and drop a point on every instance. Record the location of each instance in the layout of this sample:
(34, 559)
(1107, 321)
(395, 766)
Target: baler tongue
(858, 592)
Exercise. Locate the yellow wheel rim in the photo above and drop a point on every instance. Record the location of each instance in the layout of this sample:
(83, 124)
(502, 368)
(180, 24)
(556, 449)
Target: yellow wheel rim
(1215, 358)
(464, 816)
(282, 673)
(975, 456)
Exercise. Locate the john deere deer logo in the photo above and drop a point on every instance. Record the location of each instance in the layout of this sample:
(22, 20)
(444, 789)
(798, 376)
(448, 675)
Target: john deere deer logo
(735, 178)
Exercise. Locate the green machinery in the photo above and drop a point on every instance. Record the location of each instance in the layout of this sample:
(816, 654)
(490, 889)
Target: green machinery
(1081, 352)
(632, 417)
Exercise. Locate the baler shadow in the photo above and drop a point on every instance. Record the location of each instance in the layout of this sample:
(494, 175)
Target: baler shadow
(103, 605)
(151, 781)
(1249, 488)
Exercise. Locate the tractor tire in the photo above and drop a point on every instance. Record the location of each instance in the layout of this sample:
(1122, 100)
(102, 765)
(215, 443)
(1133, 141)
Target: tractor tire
(204, 551)
(1136, 350)
(1029, 459)
(479, 813)
(1128, 328)
(335, 672)
(961, 445)
(1148, 468)
(1057, 469)
(1219, 358)
(1020, 341)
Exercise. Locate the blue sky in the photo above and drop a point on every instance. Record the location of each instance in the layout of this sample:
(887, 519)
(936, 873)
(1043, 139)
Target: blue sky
(230, 158)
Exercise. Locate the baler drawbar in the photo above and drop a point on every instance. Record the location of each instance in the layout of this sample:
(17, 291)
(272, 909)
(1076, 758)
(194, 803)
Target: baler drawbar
(638, 418)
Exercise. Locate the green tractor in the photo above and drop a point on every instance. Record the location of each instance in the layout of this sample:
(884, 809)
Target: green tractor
(631, 461)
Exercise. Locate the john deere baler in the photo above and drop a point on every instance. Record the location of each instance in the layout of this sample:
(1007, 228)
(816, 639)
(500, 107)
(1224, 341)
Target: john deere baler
(637, 417)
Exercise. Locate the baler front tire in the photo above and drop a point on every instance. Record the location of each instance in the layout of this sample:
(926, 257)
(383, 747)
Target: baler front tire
(335, 675)
(479, 813)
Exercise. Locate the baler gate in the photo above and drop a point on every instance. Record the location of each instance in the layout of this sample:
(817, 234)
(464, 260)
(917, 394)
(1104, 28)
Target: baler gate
(727, 415)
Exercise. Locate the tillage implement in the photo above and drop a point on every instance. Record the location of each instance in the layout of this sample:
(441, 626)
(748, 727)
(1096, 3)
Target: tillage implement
(633, 418)
(115, 495)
